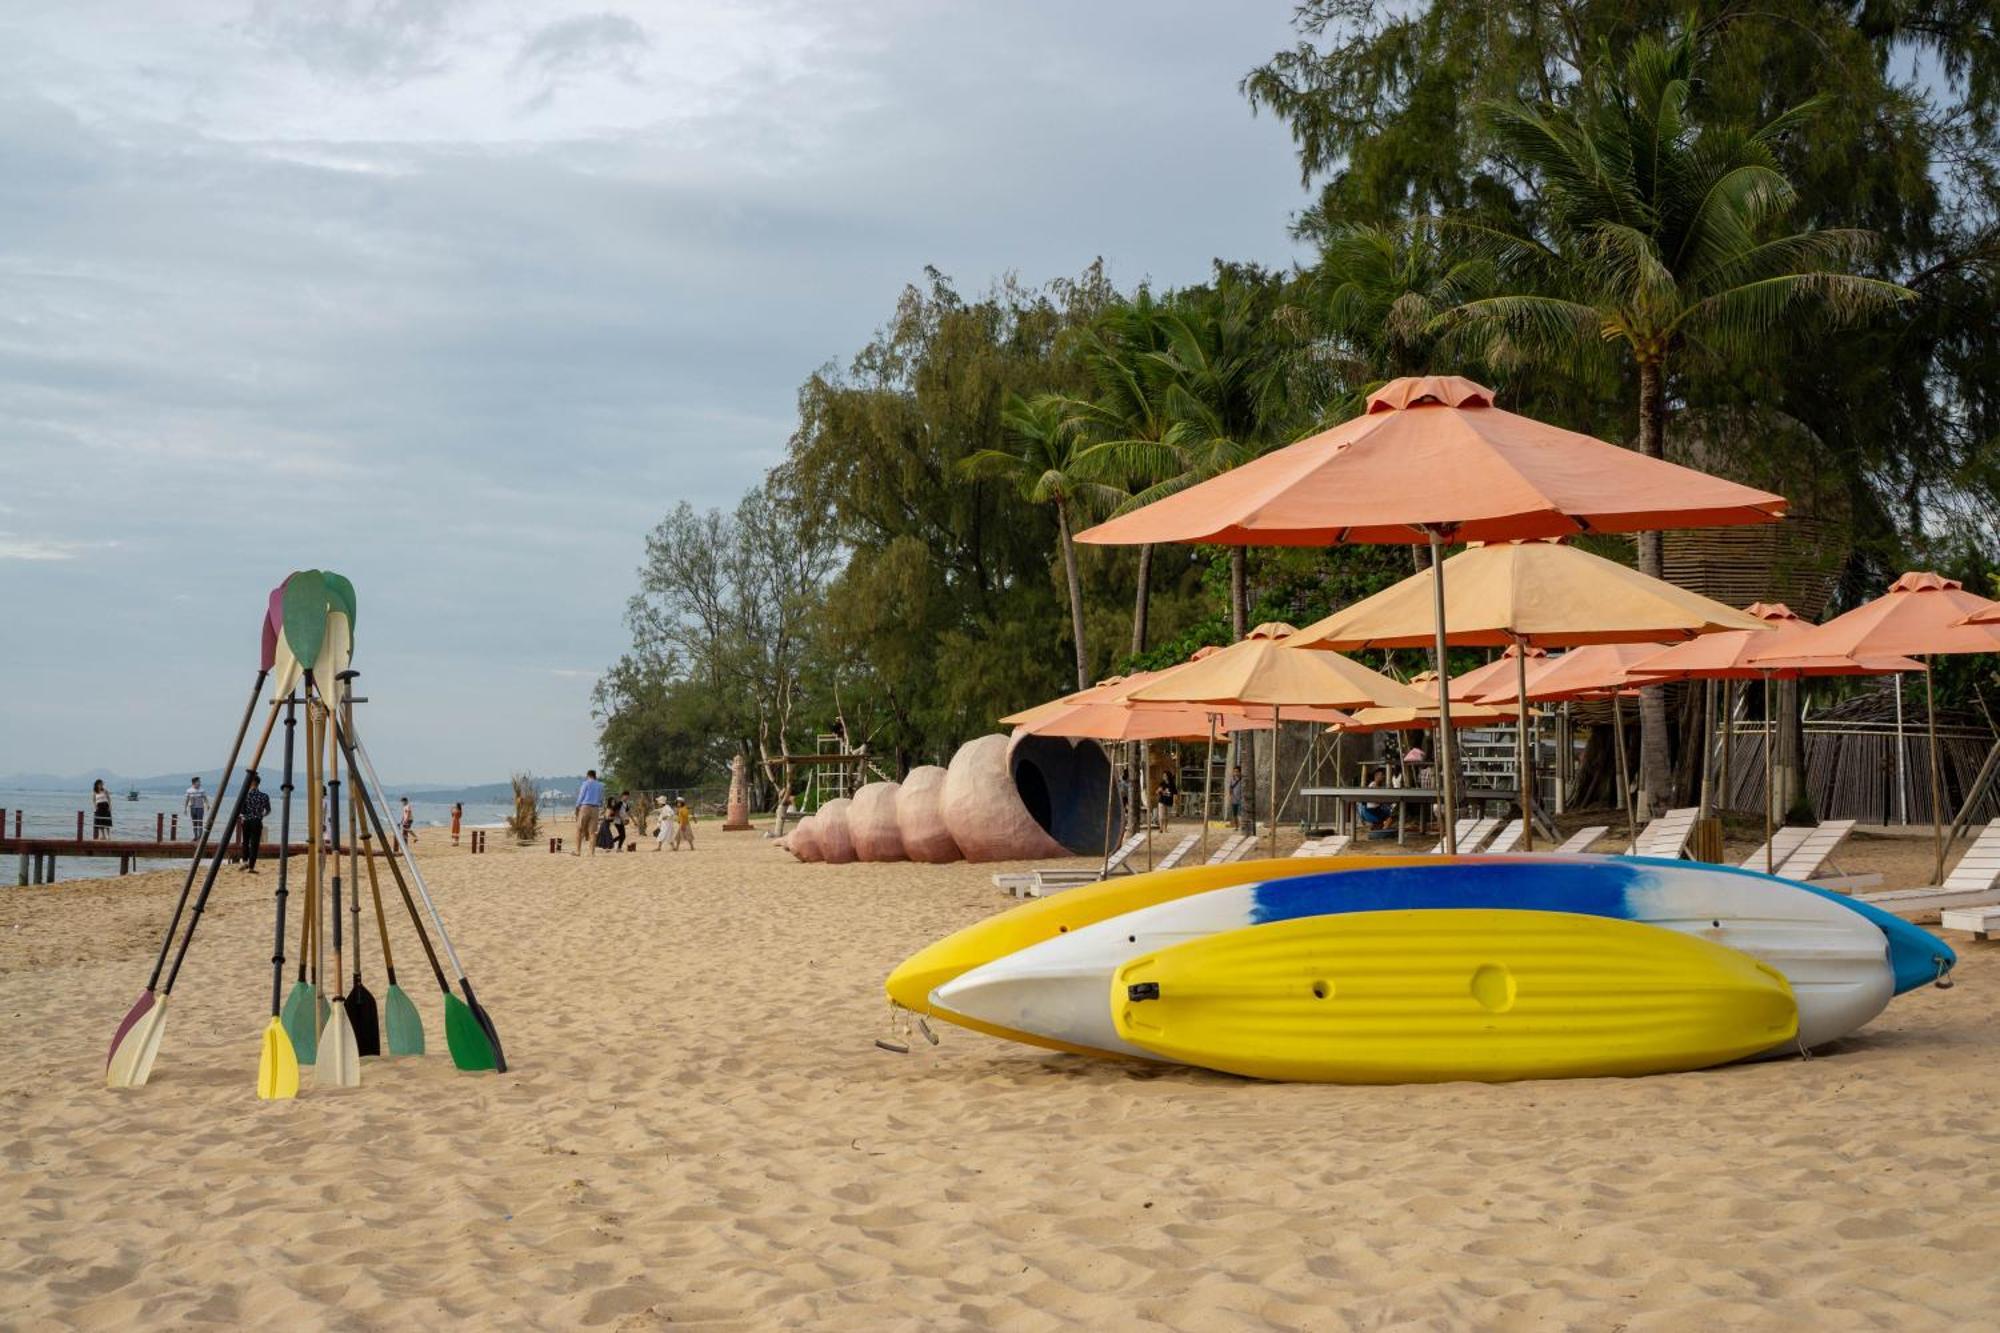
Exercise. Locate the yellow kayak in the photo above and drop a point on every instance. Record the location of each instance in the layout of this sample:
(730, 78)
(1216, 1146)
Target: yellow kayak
(911, 984)
(1443, 994)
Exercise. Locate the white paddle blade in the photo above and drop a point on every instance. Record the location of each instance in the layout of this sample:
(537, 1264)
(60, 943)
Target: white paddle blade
(339, 1062)
(132, 1063)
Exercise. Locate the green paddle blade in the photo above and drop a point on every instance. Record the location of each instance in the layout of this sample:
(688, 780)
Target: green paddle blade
(305, 615)
(367, 1026)
(405, 1025)
(341, 591)
(277, 1065)
(470, 1048)
(301, 1019)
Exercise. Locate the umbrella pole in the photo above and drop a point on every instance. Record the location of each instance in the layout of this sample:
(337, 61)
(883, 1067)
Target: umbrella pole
(1902, 761)
(1524, 764)
(1274, 781)
(1111, 831)
(1770, 783)
(1707, 749)
(1624, 783)
(1207, 786)
(1937, 776)
(1728, 738)
(1447, 748)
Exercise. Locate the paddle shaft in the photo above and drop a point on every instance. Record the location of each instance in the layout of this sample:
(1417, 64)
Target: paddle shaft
(333, 834)
(356, 751)
(284, 862)
(374, 885)
(353, 883)
(215, 865)
(208, 826)
(375, 818)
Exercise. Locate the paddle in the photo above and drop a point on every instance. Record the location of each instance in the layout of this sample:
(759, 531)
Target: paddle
(479, 1059)
(338, 1062)
(147, 998)
(361, 1009)
(468, 1028)
(401, 1022)
(301, 1014)
(132, 1061)
(278, 1062)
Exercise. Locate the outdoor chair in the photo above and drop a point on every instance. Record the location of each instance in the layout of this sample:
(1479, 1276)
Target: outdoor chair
(1667, 836)
(1972, 887)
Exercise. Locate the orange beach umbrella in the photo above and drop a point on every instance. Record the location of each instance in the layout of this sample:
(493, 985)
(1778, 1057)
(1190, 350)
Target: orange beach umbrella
(1432, 460)
(1921, 615)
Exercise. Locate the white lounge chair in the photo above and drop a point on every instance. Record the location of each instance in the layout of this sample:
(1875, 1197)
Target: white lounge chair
(1246, 849)
(1507, 840)
(1229, 848)
(1179, 853)
(1580, 841)
(1816, 850)
(1774, 853)
(1471, 833)
(1667, 836)
(1331, 845)
(1972, 886)
(1038, 883)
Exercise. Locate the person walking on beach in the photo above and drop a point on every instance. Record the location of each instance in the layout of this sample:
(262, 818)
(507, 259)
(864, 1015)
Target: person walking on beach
(457, 813)
(589, 804)
(665, 816)
(1163, 803)
(1236, 794)
(100, 810)
(683, 823)
(256, 808)
(194, 802)
(615, 817)
(409, 824)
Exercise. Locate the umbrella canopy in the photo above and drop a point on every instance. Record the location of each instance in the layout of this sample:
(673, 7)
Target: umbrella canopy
(1538, 592)
(1752, 655)
(1409, 719)
(1120, 722)
(1584, 673)
(1433, 451)
(1921, 614)
(1497, 674)
(1261, 669)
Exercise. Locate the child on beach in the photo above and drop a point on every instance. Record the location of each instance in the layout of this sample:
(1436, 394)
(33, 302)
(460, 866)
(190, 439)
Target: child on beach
(457, 813)
(683, 823)
(100, 810)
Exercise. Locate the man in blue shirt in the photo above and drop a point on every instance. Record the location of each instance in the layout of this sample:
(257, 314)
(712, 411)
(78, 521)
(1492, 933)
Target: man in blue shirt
(589, 804)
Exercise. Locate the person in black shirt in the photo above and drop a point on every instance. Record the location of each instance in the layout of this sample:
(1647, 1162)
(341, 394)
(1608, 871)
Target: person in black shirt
(256, 806)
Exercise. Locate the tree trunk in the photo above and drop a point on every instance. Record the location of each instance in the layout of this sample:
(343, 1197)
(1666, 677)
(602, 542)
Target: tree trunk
(1145, 580)
(1075, 596)
(1655, 757)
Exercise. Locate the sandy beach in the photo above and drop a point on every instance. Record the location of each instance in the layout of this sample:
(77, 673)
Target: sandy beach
(700, 1132)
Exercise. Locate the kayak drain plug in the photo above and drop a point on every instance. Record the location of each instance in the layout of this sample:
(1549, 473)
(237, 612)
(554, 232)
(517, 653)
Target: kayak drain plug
(1144, 990)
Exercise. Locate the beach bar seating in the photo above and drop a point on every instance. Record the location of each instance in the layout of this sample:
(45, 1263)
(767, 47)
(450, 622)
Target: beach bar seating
(1967, 894)
(1667, 836)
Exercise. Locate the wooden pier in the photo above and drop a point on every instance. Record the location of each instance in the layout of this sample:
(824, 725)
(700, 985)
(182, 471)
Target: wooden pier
(38, 853)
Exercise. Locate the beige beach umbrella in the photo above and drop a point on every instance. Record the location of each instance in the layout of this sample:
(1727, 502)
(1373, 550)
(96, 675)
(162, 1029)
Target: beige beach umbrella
(1522, 595)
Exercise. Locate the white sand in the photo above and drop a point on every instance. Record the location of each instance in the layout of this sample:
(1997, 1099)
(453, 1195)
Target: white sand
(698, 1131)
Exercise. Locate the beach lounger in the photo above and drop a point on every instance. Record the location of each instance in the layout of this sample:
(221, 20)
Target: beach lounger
(1035, 883)
(1507, 840)
(1667, 836)
(1579, 841)
(1968, 891)
(1471, 832)
(1228, 849)
(1816, 850)
(1773, 853)
(1332, 845)
(1247, 849)
(1179, 853)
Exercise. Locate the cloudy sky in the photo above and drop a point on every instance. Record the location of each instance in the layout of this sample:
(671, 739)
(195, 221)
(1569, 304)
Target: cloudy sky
(458, 297)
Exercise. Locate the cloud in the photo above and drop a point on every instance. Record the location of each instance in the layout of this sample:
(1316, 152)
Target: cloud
(376, 43)
(14, 546)
(578, 47)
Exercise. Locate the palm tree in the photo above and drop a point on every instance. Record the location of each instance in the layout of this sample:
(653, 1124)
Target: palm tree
(1655, 247)
(1043, 467)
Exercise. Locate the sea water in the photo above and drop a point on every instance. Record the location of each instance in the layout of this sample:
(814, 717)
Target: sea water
(51, 814)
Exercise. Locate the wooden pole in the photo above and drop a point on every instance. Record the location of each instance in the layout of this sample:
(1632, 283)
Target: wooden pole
(1274, 781)
(1902, 761)
(1447, 746)
(1770, 783)
(1728, 737)
(1524, 763)
(1937, 777)
(1624, 782)
(1707, 750)
(1207, 786)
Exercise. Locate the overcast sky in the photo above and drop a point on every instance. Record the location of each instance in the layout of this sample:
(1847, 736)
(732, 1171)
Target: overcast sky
(458, 298)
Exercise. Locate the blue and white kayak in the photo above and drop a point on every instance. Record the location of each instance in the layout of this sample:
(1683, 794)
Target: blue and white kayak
(1838, 960)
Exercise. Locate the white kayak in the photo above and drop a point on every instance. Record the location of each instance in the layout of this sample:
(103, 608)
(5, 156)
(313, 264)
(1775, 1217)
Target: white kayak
(1836, 959)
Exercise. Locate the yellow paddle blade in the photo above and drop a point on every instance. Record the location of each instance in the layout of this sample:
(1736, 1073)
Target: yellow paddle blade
(339, 1060)
(132, 1062)
(278, 1065)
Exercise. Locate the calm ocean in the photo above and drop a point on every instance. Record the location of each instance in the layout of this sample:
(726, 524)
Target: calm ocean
(53, 814)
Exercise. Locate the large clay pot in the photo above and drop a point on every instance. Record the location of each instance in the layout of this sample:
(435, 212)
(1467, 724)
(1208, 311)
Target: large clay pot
(984, 811)
(836, 843)
(871, 823)
(920, 817)
(803, 841)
